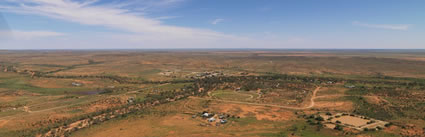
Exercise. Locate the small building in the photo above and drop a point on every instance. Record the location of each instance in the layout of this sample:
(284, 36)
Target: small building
(205, 115)
(111, 86)
(211, 119)
(350, 86)
(76, 84)
(223, 121)
(130, 100)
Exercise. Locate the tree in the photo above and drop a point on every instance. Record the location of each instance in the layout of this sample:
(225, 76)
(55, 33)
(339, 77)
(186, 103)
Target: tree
(388, 124)
(329, 113)
(338, 127)
(319, 118)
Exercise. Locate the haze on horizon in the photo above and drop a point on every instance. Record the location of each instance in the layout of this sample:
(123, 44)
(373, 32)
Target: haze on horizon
(156, 24)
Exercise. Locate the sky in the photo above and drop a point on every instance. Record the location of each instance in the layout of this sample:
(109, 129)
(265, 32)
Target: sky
(163, 24)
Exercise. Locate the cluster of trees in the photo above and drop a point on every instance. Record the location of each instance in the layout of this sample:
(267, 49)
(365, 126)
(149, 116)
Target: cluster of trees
(314, 120)
(9, 105)
(8, 68)
(409, 83)
(392, 83)
(373, 110)
(248, 83)
(405, 97)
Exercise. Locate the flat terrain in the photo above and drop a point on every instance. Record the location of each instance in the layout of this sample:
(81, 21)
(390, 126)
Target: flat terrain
(250, 93)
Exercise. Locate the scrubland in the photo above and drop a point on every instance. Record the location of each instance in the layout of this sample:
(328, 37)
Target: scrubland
(165, 93)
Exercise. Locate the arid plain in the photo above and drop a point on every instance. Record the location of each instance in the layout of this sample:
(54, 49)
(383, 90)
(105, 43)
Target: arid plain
(212, 93)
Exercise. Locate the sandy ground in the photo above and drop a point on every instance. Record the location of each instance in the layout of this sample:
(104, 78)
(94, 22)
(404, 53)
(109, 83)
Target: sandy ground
(260, 112)
(335, 105)
(355, 121)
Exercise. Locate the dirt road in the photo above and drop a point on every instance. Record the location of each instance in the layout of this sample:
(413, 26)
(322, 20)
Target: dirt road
(313, 97)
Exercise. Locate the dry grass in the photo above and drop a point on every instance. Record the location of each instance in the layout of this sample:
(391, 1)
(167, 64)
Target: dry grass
(47, 93)
(139, 64)
(178, 123)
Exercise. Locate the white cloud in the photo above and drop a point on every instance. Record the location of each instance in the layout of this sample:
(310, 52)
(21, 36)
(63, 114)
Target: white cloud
(116, 18)
(166, 17)
(139, 30)
(383, 26)
(216, 21)
(29, 35)
(35, 34)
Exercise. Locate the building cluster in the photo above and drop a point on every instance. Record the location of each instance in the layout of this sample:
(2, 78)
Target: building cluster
(76, 84)
(218, 119)
(207, 74)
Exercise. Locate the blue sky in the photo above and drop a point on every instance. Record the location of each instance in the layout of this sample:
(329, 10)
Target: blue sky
(109, 24)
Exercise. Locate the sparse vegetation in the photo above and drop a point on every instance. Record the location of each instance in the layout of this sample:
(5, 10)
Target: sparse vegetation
(151, 88)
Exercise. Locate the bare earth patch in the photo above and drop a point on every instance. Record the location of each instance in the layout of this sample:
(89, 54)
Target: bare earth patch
(259, 112)
(355, 121)
(334, 105)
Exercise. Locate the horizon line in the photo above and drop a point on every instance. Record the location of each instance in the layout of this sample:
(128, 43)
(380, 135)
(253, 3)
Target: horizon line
(223, 49)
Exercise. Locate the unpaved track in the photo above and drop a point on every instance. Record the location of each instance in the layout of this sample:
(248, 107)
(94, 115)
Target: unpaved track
(39, 111)
(5, 120)
(312, 103)
(313, 97)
